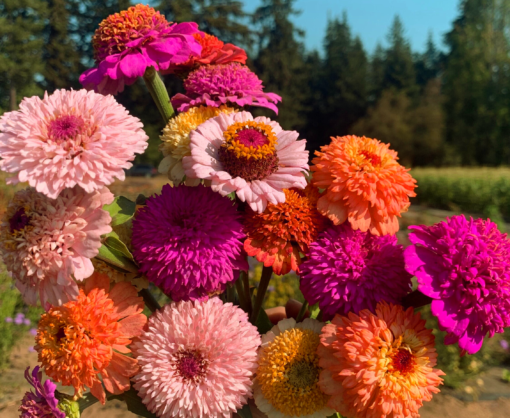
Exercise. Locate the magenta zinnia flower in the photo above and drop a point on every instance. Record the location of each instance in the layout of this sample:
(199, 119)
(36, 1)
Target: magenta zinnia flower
(464, 266)
(196, 360)
(216, 85)
(69, 138)
(188, 241)
(255, 158)
(129, 42)
(47, 244)
(348, 270)
(42, 403)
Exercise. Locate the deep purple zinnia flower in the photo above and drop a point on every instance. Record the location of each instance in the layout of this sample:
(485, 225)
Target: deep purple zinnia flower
(216, 85)
(188, 241)
(42, 403)
(464, 266)
(348, 270)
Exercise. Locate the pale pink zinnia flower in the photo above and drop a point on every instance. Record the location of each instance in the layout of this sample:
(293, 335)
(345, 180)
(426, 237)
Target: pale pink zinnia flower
(197, 360)
(255, 158)
(69, 138)
(46, 243)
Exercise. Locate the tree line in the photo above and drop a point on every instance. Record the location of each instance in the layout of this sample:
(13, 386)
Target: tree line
(445, 106)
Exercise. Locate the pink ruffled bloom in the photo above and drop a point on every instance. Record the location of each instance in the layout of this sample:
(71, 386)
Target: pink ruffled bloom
(47, 244)
(129, 42)
(216, 85)
(464, 266)
(197, 360)
(69, 138)
(255, 158)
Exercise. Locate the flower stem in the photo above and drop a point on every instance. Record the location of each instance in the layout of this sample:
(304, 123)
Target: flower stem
(150, 300)
(416, 299)
(240, 294)
(267, 272)
(302, 311)
(87, 400)
(159, 94)
(247, 294)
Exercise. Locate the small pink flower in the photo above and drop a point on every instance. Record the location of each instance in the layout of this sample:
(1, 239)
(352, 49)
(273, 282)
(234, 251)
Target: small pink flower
(69, 138)
(255, 158)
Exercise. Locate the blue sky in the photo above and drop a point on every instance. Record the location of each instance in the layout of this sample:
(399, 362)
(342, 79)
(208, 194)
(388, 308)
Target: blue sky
(371, 19)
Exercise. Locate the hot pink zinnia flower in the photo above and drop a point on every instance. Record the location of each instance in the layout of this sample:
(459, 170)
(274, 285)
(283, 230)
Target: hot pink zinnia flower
(188, 241)
(464, 266)
(69, 138)
(348, 270)
(129, 42)
(196, 360)
(46, 243)
(216, 85)
(255, 158)
(42, 403)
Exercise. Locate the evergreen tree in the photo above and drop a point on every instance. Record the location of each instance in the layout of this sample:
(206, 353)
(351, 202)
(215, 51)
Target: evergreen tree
(428, 64)
(376, 74)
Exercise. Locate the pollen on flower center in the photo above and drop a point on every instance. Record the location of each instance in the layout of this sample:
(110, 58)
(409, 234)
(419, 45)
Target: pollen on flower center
(191, 365)
(303, 374)
(65, 127)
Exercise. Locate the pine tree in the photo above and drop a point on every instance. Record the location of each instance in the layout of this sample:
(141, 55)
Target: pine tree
(428, 64)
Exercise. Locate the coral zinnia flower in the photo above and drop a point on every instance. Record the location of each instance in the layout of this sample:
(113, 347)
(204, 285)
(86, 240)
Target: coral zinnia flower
(196, 360)
(348, 270)
(83, 339)
(216, 85)
(129, 42)
(46, 243)
(255, 158)
(188, 241)
(288, 372)
(69, 138)
(378, 365)
(278, 235)
(176, 142)
(364, 184)
(42, 403)
(214, 52)
(464, 267)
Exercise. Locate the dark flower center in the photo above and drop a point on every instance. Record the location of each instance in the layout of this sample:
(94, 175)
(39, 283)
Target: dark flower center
(404, 361)
(65, 127)
(191, 365)
(19, 220)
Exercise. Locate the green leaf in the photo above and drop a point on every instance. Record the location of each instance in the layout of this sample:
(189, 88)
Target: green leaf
(245, 412)
(134, 403)
(121, 210)
(115, 253)
(113, 242)
(263, 322)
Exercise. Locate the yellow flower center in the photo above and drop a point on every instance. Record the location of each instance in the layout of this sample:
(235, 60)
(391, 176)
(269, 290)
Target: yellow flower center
(250, 140)
(288, 373)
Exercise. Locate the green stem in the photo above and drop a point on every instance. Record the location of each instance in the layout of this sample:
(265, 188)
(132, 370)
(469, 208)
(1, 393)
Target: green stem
(267, 272)
(231, 295)
(247, 293)
(87, 400)
(150, 300)
(159, 93)
(302, 311)
(240, 294)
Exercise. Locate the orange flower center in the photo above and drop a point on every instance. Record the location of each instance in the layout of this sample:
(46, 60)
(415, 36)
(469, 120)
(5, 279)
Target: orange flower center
(403, 361)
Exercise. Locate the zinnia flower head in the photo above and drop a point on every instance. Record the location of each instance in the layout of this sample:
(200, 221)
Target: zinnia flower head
(129, 42)
(255, 158)
(196, 360)
(364, 184)
(82, 339)
(349, 270)
(42, 403)
(216, 85)
(214, 52)
(463, 265)
(188, 241)
(378, 365)
(278, 235)
(47, 244)
(176, 141)
(69, 138)
(288, 372)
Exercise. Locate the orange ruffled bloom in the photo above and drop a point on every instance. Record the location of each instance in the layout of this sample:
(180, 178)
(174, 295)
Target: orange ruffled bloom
(277, 235)
(76, 341)
(378, 365)
(364, 184)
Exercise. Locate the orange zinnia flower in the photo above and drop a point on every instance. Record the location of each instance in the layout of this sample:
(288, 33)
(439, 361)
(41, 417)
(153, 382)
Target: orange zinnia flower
(364, 184)
(378, 365)
(76, 341)
(277, 235)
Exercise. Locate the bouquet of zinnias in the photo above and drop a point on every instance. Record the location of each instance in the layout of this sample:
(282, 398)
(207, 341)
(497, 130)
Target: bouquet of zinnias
(240, 186)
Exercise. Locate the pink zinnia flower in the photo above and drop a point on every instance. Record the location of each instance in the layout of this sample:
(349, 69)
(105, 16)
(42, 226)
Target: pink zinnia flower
(348, 270)
(463, 265)
(197, 360)
(69, 138)
(47, 244)
(42, 403)
(188, 241)
(129, 42)
(216, 85)
(255, 158)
